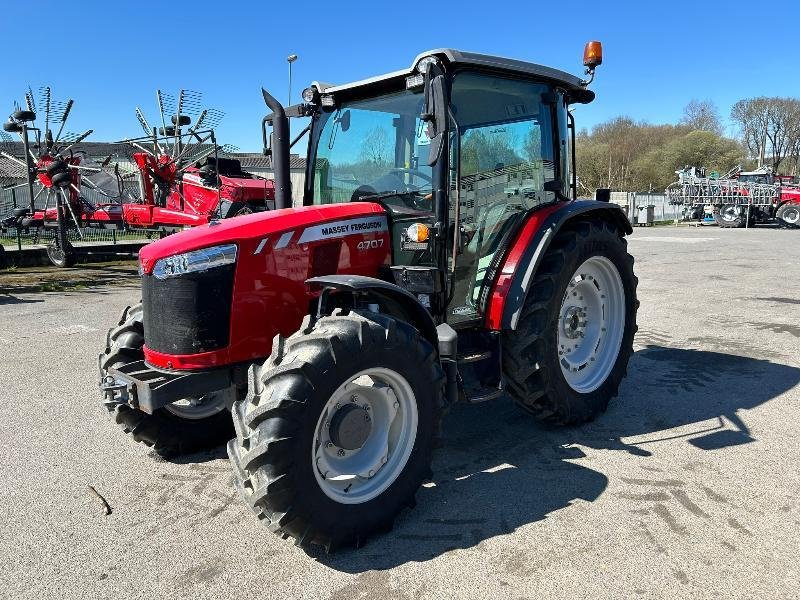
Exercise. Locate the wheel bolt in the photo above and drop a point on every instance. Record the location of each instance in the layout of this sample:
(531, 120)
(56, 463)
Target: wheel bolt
(366, 418)
(338, 405)
(329, 445)
(371, 473)
(340, 452)
(354, 398)
(383, 460)
(367, 407)
(396, 404)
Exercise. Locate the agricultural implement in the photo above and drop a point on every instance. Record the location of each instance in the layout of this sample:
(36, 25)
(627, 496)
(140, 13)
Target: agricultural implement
(55, 171)
(738, 198)
(176, 176)
(182, 179)
(440, 256)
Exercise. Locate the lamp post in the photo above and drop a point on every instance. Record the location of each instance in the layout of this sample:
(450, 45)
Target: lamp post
(290, 59)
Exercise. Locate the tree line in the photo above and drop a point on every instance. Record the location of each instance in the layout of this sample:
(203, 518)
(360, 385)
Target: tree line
(629, 155)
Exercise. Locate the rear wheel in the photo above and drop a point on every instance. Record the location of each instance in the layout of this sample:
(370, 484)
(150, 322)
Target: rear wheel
(789, 215)
(336, 433)
(570, 351)
(188, 425)
(730, 215)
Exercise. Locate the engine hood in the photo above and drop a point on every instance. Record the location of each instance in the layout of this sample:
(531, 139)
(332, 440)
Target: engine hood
(247, 228)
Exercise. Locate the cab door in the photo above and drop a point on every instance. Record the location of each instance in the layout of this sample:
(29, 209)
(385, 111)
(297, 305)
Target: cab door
(502, 153)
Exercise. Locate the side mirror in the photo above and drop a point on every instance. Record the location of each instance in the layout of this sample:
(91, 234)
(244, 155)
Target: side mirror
(602, 194)
(554, 185)
(435, 102)
(344, 120)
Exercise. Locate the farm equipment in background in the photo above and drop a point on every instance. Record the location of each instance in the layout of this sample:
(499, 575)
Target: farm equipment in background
(53, 169)
(339, 332)
(183, 180)
(177, 175)
(737, 198)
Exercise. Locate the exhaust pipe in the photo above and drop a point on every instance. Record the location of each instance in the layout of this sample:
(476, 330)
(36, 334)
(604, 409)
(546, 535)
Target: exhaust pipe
(279, 149)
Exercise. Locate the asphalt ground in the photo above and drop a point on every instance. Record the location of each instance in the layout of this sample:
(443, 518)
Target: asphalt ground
(686, 487)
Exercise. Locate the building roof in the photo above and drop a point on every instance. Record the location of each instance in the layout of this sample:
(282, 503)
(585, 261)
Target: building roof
(256, 160)
(574, 85)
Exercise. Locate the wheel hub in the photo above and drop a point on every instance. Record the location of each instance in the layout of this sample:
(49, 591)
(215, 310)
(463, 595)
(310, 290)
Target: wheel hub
(350, 426)
(574, 322)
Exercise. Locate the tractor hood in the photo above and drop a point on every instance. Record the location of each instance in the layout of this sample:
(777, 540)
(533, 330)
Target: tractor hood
(248, 231)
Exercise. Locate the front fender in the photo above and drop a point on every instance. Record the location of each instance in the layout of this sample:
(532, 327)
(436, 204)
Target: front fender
(525, 254)
(398, 302)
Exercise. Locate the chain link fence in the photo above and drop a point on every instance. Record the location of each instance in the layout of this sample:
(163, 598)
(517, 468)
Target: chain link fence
(18, 197)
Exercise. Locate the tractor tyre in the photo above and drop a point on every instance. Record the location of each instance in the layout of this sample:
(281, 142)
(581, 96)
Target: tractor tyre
(788, 215)
(24, 115)
(3, 264)
(237, 209)
(62, 258)
(56, 166)
(176, 428)
(566, 358)
(730, 216)
(336, 433)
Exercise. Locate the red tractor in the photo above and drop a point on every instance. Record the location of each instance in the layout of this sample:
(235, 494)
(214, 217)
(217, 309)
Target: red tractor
(338, 333)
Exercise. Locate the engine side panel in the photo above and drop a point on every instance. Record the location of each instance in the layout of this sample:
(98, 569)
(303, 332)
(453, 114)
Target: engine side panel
(274, 260)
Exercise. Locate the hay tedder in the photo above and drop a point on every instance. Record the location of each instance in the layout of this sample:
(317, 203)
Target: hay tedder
(440, 256)
(55, 171)
(174, 177)
(738, 198)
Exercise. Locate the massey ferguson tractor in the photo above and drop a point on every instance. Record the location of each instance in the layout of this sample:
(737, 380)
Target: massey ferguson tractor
(338, 333)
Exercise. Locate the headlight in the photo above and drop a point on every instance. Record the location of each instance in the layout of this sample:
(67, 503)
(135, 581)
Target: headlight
(195, 261)
(310, 95)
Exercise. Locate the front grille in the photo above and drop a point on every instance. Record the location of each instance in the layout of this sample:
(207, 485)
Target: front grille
(190, 313)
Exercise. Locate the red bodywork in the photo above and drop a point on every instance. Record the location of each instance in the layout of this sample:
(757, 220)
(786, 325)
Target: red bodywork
(511, 265)
(277, 252)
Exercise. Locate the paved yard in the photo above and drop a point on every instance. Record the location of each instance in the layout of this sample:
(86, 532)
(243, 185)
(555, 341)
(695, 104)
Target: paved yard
(687, 486)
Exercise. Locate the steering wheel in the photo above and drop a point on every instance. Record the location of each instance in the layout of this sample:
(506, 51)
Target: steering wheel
(417, 203)
(416, 172)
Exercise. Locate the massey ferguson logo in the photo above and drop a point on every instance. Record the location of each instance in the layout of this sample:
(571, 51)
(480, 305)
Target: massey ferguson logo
(342, 228)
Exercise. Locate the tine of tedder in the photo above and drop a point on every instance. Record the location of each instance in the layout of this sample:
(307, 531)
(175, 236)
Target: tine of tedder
(79, 139)
(160, 98)
(29, 100)
(64, 116)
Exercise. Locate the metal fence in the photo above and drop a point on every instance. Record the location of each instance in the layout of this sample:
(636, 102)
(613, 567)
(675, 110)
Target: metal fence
(636, 203)
(11, 198)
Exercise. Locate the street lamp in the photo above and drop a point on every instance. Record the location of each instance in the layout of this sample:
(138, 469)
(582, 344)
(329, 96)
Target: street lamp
(290, 59)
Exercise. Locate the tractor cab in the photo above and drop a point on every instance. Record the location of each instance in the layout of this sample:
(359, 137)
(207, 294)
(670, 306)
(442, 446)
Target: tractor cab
(458, 149)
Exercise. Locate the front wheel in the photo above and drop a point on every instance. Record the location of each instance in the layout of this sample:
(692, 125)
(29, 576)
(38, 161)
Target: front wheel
(336, 433)
(566, 358)
(188, 425)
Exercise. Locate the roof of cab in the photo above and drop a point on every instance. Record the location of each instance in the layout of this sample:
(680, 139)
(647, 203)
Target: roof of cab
(573, 85)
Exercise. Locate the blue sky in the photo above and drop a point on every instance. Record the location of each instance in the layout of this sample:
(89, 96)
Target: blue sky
(658, 56)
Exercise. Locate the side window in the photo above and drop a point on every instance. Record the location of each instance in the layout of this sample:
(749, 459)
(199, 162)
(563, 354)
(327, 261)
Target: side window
(503, 156)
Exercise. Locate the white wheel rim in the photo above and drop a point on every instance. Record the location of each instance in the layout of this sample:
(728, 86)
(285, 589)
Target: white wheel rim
(590, 325)
(194, 409)
(386, 401)
(730, 213)
(791, 215)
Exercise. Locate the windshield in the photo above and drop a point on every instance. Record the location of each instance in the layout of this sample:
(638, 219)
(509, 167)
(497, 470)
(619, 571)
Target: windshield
(375, 149)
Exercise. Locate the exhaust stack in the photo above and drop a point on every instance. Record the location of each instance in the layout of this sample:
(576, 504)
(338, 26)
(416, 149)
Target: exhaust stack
(278, 149)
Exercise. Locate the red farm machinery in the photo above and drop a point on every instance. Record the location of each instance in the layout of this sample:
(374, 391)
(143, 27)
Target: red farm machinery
(738, 198)
(337, 334)
(174, 177)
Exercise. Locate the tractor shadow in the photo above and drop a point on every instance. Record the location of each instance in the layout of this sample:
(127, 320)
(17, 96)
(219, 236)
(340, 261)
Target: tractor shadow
(500, 470)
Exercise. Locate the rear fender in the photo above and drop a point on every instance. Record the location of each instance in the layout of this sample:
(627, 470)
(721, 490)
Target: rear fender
(396, 301)
(525, 254)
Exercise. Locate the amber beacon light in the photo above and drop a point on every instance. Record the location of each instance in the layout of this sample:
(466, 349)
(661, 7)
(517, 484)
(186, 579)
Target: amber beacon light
(593, 55)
